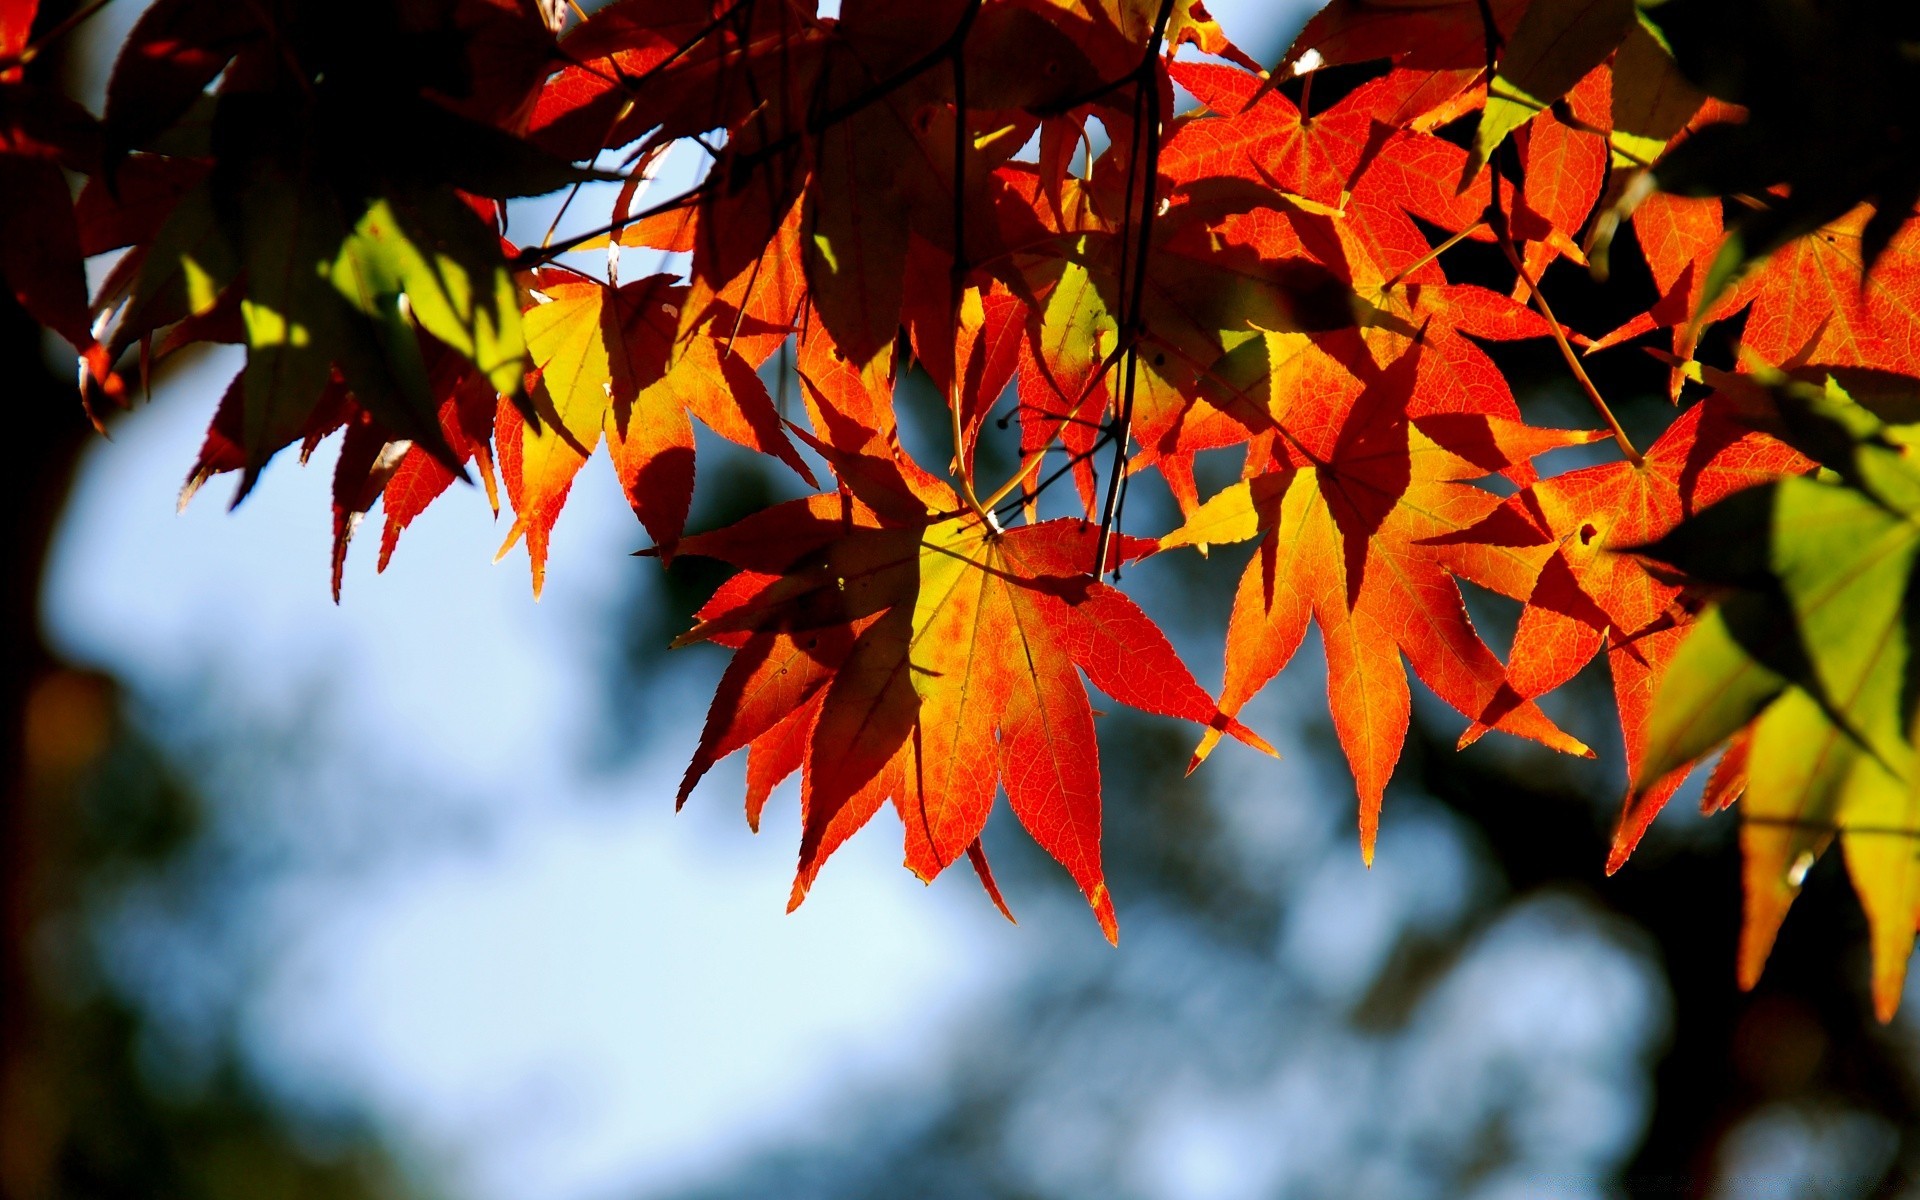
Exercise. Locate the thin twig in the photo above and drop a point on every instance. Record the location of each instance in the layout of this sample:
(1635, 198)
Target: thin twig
(560, 213)
(1063, 418)
(957, 275)
(535, 256)
(1573, 360)
(1027, 466)
(1147, 160)
(1497, 216)
(1054, 477)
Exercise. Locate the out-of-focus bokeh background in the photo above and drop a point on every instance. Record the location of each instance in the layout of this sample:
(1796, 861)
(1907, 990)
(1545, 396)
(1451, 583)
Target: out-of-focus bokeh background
(389, 899)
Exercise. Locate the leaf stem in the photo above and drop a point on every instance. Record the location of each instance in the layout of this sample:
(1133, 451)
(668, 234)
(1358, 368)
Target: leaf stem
(1566, 351)
(1006, 489)
(1432, 254)
(1497, 216)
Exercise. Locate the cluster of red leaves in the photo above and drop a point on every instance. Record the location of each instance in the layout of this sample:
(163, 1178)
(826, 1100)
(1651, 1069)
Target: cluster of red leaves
(919, 185)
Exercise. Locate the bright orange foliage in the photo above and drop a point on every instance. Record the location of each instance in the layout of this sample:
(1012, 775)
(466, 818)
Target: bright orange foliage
(1015, 198)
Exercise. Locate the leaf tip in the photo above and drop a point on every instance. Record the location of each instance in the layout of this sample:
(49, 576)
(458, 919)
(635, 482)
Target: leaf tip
(1102, 903)
(1889, 985)
(1207, 742)
(513, 536)
(1617, 856)
(1245, 736)
(977, 857)
(1369, 826)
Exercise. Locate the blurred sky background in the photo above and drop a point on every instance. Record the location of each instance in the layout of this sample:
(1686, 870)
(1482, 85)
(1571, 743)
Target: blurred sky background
(441, 894)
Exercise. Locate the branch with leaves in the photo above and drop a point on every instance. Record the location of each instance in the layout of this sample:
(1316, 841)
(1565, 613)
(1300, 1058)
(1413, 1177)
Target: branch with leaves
(1003, 196)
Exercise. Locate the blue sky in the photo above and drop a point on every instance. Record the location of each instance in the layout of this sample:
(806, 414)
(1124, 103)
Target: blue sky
(587, 989)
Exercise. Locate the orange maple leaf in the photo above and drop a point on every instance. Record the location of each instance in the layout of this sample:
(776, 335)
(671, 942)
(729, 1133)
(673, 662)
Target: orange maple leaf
(607, 362)
(1555, 545)
(1346, 502)
(923, 657)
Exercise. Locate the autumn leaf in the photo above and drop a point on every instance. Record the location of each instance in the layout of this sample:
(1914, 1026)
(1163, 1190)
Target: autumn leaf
(932, 658)
(608, 363)
(1812, 303)
(1555, 544)
(1346, 506)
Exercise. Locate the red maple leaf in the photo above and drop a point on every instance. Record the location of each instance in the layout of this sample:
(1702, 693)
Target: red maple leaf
(1555, 545)
(921, 657)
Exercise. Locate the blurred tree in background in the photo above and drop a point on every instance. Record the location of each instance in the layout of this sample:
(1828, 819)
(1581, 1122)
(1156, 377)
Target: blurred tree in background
(88, 1107)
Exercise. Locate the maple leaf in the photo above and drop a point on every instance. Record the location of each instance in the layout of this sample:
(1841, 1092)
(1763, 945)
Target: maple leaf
(608, 364)
(1811, 635)
(1256, 133)
(1816, 304)
(1206, 302)
(921, 657)
(1346, 505)
(1554, 546)
(1376, 249)
(890, 176)
(1812, 302)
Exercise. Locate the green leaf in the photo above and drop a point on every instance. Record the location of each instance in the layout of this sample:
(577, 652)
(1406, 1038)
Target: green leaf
(1652, 100)
(1828, 617)
(431, 248)
(1556, 43)
(1799, 763)
(1844, 562)
(191, 261)
(1808, 781)
(1713, 687)
(289, 234)
(1816, 639)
